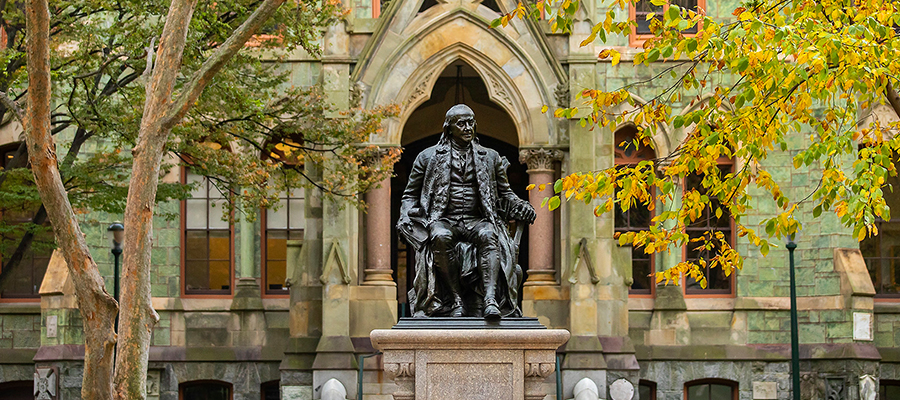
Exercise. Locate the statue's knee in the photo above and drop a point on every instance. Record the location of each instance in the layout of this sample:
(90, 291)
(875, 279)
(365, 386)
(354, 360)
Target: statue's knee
(486, 237)
(441, 240)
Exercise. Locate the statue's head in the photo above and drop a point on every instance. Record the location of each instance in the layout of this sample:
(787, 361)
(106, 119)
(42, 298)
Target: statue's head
(459, 123)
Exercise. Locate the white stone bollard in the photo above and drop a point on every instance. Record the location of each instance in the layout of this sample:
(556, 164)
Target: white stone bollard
(586, 389)
(333, 390)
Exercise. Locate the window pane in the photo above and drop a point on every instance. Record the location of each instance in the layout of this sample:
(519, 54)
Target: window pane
(298, 214)
(199, 192)
(720, 392)
(641, 10)
(276, 245)
(645, 392)
(219, 245)
(196, 275)
(195, 245)
(698, 392)
(205, 392)
(275, 275)
(640, 272)
(891, 392)
(277, 219)
(195, 214)
(220, 275)
(271, 392)
(216, 212)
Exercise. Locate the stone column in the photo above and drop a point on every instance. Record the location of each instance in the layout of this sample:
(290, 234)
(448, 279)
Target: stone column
(541, 270)
(378, 233)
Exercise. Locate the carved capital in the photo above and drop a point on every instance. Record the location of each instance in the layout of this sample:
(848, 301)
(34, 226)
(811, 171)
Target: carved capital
(535, 375)
(404, 376)
(374, 155)
(540, 159)
(400, 370)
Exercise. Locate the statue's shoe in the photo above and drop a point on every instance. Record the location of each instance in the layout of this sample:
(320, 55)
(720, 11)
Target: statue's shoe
(491, 311)
(458, 310)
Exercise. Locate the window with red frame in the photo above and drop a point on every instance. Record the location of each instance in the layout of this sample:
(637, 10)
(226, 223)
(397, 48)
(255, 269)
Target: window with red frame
(638, 216)
(207, 245)
(24, 280)
(711, 389)
(644, 8)
(285, 223)
(882, 252)
(647, 390)
(716, 281)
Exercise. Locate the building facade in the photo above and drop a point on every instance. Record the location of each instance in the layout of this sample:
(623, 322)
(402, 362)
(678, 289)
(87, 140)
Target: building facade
(275, 308)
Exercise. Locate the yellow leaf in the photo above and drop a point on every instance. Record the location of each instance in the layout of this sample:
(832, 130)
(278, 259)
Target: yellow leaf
(529, 187)
(544, 109)
(615, 57)
(605, 53)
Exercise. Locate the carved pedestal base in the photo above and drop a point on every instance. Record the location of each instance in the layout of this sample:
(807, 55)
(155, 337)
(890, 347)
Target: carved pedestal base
(495, 364)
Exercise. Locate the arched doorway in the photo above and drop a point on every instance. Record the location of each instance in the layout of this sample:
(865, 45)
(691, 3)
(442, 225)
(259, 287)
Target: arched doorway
(458, 83)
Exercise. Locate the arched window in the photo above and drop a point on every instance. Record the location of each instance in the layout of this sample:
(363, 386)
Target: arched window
(716, 281)
(17, 390)
(647, 390)
(23, 281)
(205, 390)
(285, 223)
(711, 389)
(207, 239)
(270, 390)
(637, 217)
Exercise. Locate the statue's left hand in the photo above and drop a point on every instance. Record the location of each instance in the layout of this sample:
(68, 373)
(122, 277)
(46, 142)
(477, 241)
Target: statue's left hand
(525, 212)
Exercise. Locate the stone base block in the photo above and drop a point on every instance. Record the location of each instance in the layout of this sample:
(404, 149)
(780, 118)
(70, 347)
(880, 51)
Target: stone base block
(489, 364)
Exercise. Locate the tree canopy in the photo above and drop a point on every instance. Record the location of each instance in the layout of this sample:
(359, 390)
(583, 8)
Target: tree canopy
(800, 77)
(99, 63)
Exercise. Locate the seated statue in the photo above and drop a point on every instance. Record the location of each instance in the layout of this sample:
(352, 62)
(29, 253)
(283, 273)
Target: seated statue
(454, 213)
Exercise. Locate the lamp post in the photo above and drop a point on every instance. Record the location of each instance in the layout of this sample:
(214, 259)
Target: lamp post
(116, 232)
(795, 340)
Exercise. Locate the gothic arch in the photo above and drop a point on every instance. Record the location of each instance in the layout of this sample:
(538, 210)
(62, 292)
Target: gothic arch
(663, 139)
(402, 66)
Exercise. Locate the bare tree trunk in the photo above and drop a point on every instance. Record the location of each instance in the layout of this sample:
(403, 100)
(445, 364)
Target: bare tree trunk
(161, 114)
(98, 309)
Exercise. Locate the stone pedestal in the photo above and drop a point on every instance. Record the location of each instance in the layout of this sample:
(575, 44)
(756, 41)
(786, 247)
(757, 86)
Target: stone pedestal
(489, 364)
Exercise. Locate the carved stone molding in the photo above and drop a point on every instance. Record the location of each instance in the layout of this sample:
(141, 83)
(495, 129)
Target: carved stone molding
(422, 90)
(357, 92)
(538, 366)
(562, 95)
(500, 92)
(540, 159)
(45, 383)
(438, 364)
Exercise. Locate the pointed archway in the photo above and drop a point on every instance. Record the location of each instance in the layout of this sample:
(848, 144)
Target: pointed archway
(458, 83)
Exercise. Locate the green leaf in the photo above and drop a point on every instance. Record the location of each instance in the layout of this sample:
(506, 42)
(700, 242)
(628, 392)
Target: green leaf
(817, 211)
(554, 203)
(557, 186)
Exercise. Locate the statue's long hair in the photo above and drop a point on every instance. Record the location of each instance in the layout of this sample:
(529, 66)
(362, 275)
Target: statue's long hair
(452, 113)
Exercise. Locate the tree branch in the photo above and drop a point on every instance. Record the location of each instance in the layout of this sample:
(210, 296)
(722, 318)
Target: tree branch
(214, 63)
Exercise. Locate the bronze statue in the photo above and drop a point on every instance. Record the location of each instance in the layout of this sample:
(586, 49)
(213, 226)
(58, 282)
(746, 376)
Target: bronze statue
(454, 213)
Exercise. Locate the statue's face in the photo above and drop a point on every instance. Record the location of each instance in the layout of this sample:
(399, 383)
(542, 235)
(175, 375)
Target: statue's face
(463, 129)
